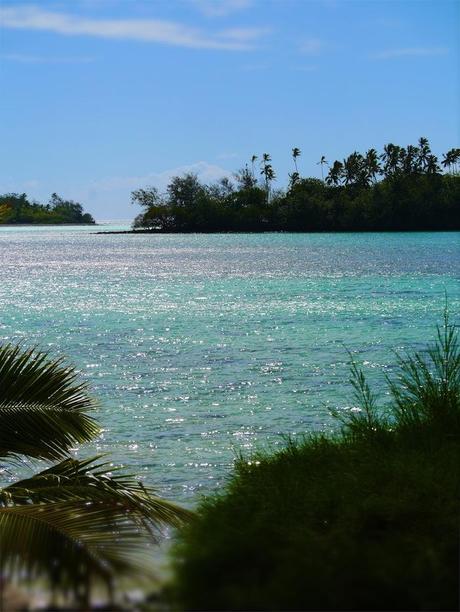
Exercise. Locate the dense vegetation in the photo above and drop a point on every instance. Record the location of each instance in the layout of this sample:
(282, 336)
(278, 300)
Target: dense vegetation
(366, 520)
(79, 522)
(400, 189)
(16, 208)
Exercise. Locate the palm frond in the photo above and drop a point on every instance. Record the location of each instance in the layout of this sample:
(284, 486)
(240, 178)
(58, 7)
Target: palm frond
(90, 479)
(41, 405)
(81, 521)
(32, 376)
(70, 541)
(44, 431)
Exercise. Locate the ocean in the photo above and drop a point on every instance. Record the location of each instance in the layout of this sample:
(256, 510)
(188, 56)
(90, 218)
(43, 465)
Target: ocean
(200, 347)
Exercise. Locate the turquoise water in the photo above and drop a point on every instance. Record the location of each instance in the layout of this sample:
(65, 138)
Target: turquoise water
(199, 346)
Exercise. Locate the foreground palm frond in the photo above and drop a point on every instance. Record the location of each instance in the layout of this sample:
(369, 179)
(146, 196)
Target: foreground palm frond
(32, 376)
(77, 522)
(44, 431)
(70, 542)
(80, 521)
(89, 479)
(41, 405)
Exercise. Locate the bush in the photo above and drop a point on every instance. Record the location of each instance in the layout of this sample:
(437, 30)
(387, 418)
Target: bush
(365, 520)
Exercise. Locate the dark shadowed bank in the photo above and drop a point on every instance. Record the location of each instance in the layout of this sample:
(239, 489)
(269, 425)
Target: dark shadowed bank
(366, 520)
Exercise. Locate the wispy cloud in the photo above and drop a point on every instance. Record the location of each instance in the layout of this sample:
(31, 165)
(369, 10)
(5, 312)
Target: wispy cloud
(311, 46)
(221, 8)
(410, 52)
(146, 30)
(39, 59)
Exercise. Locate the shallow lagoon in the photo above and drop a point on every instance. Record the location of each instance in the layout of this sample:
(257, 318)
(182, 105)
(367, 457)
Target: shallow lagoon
(199, 346)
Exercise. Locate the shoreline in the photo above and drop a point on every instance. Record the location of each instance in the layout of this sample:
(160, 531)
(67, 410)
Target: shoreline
(357, 231)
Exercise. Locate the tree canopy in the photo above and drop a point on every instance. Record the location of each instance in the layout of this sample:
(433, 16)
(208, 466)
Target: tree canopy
(17, 208)
(399, 189)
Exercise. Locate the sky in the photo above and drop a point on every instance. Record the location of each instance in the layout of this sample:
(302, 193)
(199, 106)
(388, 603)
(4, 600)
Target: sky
(101, 97)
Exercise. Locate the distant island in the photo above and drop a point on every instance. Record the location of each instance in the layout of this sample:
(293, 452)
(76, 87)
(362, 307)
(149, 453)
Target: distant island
(400, 189)
(16, 208)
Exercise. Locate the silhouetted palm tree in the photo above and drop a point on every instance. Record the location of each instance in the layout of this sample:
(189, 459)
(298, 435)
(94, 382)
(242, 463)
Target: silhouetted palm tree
(295, 154)
(353, 169)
(391, 158)
(451, 159)
(253, 160)
(371, 165)
(335, 175)
(322, 162)
(268, 172)
(424, 152)
(411, 160)
(431, 166)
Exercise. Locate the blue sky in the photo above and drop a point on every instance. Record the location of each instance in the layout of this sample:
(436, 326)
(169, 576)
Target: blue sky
(99, 97)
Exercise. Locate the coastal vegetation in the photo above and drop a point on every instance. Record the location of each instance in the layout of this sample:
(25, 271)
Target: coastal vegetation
(79, 524)
(400, 189)
(363, 520)
(17, 208)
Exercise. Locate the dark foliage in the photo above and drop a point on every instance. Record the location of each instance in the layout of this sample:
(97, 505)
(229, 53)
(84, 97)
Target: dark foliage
(16, 208)
(366, 520)
(401, 189)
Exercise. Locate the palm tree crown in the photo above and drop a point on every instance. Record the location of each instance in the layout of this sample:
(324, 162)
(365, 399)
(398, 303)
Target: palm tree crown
(295, 154)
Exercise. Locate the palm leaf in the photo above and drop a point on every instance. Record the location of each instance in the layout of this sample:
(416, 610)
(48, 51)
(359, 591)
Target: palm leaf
(80, 521)
(70, 541)
(97, 481)
(41, 430)
(41, 405)
(32, 376)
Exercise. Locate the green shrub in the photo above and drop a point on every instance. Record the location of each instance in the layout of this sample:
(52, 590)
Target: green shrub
(366, 520)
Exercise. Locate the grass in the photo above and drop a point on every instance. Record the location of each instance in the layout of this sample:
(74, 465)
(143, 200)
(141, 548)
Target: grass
(365, 520)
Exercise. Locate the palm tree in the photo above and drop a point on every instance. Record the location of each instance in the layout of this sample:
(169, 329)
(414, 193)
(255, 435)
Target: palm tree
(353, 167)
(411, 161)
(392, 156)
(253, 160)
(323, 161)
(371, 165)
(295, 154)
(447, 161)
(268, 172)
(424, 152)
(431, 166)
(335, 174)
(78, 522)
(451, 159)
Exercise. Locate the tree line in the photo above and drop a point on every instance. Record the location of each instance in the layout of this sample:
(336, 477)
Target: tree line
(402, 188)
(17, 208)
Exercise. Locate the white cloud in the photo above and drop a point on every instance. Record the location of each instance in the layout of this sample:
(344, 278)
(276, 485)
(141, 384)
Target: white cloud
(110, 198)
(411, 52)
(38, 59)
(145, 30)
(221, 8)
(207, 173)
(311, 46)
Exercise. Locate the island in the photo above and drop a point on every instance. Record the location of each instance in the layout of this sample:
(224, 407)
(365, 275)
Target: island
(400, 189)
(16, 208)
